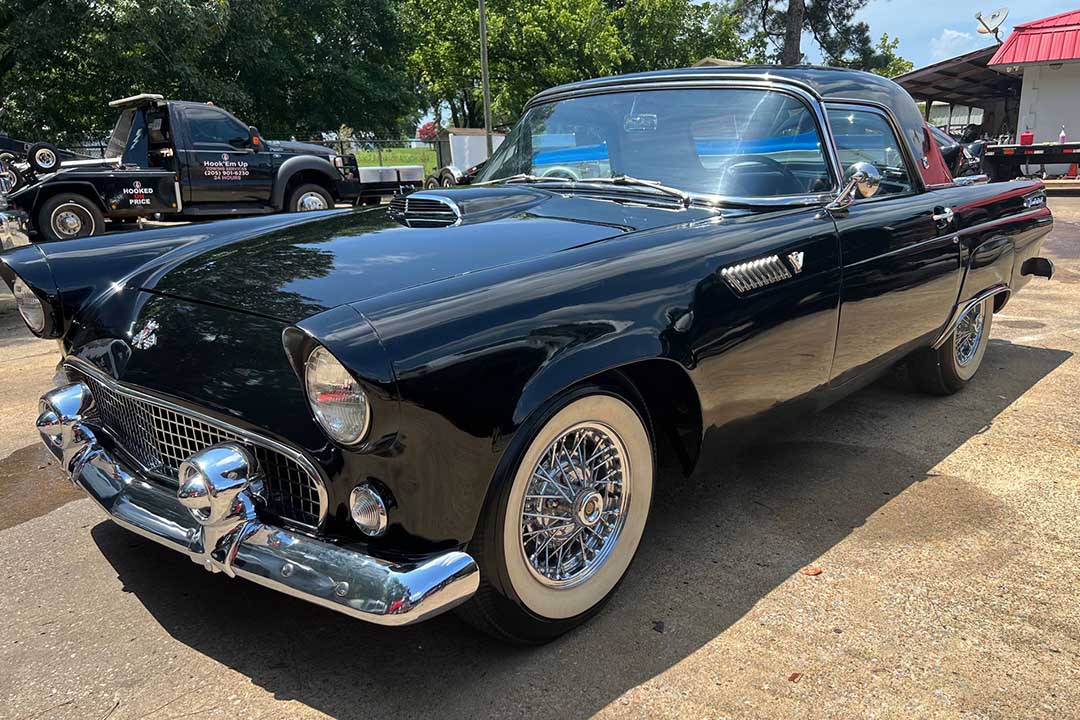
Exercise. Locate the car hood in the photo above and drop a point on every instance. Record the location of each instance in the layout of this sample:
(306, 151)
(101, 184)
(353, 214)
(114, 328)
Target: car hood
(293, 272)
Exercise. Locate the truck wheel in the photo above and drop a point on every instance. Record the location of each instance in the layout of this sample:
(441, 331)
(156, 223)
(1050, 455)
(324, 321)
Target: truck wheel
(431, 182)
(565, 519)
(67, 216)
(43, 158)
(310, 197)
(10, 177)
(448, 180)
(949, 368)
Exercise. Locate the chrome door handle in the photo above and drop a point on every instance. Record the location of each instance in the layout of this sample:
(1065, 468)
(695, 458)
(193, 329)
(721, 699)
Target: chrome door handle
(943, 215)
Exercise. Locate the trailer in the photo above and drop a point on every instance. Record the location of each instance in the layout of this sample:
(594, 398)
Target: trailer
(1008, 161)
(460, 153)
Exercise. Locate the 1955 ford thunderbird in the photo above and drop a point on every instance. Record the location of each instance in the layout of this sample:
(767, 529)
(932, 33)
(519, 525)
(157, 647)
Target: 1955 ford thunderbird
(463, 402)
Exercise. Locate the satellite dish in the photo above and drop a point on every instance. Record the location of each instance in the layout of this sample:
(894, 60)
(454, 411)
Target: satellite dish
(989, 25)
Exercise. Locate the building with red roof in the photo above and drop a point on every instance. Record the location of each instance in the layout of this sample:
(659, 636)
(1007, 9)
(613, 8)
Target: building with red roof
(1046, 53)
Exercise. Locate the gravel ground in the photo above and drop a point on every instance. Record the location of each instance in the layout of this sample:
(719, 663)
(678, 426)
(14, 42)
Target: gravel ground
(946, 533)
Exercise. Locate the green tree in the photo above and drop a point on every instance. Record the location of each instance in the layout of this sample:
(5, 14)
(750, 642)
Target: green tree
(286, 66)
(660, 34)
(887, 61)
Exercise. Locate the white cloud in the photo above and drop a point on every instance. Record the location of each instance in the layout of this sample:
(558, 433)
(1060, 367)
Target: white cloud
(951, 43)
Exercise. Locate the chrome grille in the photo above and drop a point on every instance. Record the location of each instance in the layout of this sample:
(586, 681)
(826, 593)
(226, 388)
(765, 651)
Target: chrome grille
(160, 437)
(420, 211)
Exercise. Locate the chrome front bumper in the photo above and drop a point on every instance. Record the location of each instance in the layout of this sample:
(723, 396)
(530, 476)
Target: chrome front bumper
(13, 229)
(227, 536)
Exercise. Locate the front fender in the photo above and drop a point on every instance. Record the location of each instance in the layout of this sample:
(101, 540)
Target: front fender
(300, 163)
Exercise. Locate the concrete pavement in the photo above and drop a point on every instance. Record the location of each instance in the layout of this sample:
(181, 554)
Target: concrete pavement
(946, 532)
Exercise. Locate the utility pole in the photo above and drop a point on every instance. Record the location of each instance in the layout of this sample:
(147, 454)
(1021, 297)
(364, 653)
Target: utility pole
(484, 82)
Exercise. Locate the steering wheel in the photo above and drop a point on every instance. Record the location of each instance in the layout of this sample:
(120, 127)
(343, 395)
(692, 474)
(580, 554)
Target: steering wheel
(561, 171)
(760, 160)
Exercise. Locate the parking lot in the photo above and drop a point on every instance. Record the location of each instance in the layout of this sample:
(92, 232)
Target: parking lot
(945, 532)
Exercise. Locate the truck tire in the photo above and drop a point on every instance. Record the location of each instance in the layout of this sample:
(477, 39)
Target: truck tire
(43, 157)
(309, 198)
(10, 178)
(68, 216)
(448, 179)
(431, 182)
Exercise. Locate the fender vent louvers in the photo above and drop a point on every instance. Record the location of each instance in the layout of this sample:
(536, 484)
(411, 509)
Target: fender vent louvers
(754, 274)
(423, 211)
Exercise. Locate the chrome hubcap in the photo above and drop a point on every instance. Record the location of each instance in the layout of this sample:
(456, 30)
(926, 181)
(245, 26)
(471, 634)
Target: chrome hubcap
(969, 332)
(67, 222)
(575, 505)
(45, 158)
(311, 201)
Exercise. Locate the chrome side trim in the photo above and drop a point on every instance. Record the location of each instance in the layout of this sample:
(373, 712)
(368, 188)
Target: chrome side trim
(959, 311)
(971, 180)
(754, 274)
(81, 366)
(333, 576)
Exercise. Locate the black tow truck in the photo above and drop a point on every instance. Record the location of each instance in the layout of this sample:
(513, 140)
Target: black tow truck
(179, 160)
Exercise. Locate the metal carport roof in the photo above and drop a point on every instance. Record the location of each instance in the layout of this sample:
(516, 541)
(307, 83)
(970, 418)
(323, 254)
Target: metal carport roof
(962, 80)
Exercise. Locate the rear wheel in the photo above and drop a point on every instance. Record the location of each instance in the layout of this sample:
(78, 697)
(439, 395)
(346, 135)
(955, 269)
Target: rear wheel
(431, 182)
(310, 197)
(950, 367)
(565, 519)
(448, 179)
(68, 216)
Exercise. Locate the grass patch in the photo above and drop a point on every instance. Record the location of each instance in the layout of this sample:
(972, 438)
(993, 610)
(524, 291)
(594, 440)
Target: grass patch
(399, 156)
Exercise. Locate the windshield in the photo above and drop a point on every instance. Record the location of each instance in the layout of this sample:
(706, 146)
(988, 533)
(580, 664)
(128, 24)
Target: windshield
(712, 141)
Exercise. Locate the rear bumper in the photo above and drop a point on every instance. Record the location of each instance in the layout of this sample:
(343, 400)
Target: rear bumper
(14, 229)
(320, 572)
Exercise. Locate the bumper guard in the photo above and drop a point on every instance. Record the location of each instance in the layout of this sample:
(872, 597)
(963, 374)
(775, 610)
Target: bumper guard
(212, 519)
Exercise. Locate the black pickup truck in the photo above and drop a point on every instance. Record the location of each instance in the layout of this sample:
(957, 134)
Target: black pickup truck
(189, 161)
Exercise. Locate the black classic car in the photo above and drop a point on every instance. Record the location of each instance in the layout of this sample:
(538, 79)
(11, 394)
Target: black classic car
(464, 402)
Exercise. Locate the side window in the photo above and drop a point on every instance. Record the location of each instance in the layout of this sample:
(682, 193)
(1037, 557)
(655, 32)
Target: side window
(213, 127)
(864, 136)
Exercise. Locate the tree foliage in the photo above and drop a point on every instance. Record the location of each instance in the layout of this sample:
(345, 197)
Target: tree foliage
(286, 66)
(534, 44)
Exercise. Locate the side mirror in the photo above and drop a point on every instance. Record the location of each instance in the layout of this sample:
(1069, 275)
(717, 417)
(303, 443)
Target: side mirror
(253, 137)
(862, 179)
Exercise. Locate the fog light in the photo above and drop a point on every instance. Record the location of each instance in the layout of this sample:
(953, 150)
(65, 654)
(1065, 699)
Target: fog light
(368, 510)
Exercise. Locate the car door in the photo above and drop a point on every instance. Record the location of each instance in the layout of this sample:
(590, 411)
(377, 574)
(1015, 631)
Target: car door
(900, 252)
(220, 164)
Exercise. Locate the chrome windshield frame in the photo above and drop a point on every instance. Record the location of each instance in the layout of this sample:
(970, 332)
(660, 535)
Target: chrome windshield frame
(800, 91)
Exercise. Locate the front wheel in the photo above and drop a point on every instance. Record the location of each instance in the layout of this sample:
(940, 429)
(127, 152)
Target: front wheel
(310, 197)
(68, 216)
(949, 368)
(565, 519)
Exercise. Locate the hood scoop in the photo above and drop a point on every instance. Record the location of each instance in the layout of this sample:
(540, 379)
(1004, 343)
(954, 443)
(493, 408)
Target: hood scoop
(420, 210)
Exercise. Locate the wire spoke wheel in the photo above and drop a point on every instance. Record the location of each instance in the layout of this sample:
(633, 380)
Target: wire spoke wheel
(969, 335)
(575, 505)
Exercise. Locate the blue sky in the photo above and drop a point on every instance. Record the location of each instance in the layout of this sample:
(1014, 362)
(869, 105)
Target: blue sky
(930, 32)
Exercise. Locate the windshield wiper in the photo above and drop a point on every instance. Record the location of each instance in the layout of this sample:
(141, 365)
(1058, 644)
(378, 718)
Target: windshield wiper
(684, 197)
(522, 178)
(624, 180)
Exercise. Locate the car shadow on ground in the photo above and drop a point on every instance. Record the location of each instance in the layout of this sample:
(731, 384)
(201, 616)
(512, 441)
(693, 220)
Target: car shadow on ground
(717, 543)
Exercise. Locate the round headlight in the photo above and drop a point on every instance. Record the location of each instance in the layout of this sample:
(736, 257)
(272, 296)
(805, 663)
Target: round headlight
(30, 306)
(339, 404)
